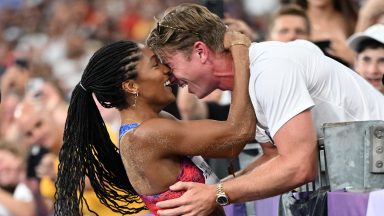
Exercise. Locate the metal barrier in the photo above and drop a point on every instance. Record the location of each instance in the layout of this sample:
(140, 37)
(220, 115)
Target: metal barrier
(351, 157)
(354, 155)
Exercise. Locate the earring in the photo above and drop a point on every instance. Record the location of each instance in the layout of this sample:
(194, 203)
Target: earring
(134, 101)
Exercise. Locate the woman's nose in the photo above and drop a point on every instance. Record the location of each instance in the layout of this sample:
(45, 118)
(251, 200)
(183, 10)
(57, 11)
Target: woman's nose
(166, 69)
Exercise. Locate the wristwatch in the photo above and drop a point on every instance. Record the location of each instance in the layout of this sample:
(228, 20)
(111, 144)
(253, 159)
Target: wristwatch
(221, 197)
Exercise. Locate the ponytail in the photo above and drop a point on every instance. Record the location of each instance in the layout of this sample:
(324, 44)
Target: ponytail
(88, 151)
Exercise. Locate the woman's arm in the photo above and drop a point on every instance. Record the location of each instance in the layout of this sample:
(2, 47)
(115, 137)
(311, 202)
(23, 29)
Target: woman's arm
(208, 137)
(370, 11)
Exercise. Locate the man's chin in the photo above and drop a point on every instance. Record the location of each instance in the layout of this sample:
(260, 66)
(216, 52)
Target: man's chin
(199, 94)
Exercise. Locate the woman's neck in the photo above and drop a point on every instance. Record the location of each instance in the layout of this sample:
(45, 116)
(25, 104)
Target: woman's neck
(137, 114)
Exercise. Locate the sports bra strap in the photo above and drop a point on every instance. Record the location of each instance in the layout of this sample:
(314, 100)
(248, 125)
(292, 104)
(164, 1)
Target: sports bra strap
(125, 128)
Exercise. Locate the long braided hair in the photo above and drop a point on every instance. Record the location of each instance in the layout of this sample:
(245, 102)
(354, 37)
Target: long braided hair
(87, 149)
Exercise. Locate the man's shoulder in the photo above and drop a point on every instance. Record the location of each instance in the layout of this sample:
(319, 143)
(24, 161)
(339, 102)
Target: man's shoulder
(277, 46)
(270, 53)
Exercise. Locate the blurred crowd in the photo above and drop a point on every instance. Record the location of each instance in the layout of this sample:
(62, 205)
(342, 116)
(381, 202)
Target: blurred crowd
(45, 45)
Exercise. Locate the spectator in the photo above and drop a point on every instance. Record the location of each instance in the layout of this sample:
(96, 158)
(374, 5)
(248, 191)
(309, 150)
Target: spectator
(330, 17)
(333, 21)
(288, 23)
(14, 78)
(37, 125)
(371, 12)
(369, 61)
(16, 198)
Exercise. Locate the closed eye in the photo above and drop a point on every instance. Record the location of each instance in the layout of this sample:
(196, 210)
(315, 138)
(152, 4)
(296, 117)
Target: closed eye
(155, 64)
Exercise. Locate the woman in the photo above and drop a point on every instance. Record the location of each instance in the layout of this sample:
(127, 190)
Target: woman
(332, 22)
(329, 17)
(153, 145)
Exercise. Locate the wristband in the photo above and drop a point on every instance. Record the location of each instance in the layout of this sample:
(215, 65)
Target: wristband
(243, 43)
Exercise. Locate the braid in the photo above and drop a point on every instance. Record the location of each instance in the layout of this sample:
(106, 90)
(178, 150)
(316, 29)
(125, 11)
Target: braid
(87, 149)
(111, 71)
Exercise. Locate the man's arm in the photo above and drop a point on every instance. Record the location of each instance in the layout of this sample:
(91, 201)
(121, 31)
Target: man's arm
(294, 165)
(269, 152)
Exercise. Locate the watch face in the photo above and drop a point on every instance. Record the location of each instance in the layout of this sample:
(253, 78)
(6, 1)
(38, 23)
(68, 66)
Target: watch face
(222, 200)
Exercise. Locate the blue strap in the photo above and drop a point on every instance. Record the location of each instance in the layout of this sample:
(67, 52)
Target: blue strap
(125, 128)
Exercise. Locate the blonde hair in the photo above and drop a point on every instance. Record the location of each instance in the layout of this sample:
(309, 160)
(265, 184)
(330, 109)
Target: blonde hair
(183, 25)
(13, 148)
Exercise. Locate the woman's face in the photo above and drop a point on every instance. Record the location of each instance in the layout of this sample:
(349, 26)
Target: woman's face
(153, 80)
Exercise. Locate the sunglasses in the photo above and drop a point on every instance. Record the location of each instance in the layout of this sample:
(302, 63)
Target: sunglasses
(161, 26)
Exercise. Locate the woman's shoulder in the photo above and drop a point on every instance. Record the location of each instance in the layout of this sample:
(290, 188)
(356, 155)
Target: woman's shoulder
(154, 128)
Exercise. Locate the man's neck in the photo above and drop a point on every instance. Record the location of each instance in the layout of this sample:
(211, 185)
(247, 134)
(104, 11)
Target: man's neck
(223, 70)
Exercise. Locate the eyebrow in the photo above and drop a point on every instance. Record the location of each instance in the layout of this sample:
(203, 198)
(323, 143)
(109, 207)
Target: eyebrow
(153, 57)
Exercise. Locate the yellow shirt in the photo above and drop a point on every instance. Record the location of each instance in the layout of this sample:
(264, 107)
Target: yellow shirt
(47, 189)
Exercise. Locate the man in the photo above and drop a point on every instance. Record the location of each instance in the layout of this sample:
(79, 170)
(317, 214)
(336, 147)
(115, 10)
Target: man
(37, 125)
(288, 23)
(369, 61)
(294, 89)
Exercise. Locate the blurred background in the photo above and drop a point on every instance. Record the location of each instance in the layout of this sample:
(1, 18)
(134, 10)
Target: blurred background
(46, 44)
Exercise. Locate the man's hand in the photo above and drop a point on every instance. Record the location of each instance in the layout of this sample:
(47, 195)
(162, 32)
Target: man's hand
(199, 199)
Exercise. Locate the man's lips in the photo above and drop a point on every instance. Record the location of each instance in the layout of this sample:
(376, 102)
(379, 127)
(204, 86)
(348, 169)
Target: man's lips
(175, 81)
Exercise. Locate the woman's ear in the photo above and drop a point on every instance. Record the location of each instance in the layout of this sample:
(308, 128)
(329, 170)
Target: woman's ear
(130, 86)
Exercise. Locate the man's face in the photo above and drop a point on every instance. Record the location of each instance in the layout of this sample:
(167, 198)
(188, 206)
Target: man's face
(288, 28)
(370, 65)
(193, 72)
(10, 169)
(38, 128)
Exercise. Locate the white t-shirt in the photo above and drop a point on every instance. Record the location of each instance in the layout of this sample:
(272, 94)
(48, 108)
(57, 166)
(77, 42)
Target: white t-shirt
(22, 193)
(288, 78)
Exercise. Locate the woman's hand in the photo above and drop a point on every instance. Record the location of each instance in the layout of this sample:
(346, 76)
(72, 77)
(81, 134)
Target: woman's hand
(241, 26)
(233, 38)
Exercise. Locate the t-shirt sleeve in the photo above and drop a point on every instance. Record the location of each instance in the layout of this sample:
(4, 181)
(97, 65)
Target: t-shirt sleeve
(281, 91)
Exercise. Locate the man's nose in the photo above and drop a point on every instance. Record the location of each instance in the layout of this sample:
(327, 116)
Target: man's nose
(36, 135)
(373, 69)
(292, 36)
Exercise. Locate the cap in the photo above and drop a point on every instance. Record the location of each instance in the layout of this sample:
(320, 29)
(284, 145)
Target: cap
(375, 32)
